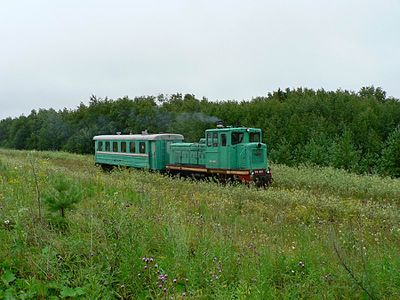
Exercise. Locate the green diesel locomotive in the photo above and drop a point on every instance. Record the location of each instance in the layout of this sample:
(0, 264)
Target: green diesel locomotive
(226, 153)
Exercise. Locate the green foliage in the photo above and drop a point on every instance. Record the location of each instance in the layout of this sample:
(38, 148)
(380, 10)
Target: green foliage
(7, 277)
(67, 292)
(390, 159)
(62, 194)
(344, 154)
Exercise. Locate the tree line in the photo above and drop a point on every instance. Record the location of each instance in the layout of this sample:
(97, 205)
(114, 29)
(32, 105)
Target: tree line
(357, 131)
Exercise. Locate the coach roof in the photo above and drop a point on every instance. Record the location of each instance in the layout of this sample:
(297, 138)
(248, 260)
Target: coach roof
(140, 137)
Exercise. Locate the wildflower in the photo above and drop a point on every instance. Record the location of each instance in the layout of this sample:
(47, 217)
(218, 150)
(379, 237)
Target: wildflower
(301, 264)
(174, 280)
(7, 222)
(183, 294)
(145, 267)
(122, 286)
(165, 290)
(156, 266)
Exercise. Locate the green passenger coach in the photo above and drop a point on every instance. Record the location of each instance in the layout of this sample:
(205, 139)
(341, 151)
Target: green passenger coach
(144, 151)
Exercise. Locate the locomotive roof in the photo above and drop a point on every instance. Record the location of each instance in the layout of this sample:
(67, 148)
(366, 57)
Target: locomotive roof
(252, 129)
(141, 137)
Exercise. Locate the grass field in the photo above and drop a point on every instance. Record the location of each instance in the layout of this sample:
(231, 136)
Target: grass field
(317, 233)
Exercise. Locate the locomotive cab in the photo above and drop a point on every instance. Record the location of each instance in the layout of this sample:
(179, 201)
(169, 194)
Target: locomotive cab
(239, 152)
(235, 148)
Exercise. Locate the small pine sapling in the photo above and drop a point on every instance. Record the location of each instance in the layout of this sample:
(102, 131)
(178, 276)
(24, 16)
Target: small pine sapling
(62, 194)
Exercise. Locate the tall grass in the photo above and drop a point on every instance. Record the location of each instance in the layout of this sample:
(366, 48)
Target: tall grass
(212, 241)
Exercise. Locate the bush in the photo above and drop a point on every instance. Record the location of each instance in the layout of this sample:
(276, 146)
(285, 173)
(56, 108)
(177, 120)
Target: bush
(62, 194)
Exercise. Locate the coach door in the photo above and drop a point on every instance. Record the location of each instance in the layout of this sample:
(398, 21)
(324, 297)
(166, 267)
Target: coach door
(236, 149)
(152, 155)
(223, 151)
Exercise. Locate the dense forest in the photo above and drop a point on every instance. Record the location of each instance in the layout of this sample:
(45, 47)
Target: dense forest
(357, 131)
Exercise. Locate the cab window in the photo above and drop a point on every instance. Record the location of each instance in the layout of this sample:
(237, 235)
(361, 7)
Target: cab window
(132, 147)
(237, 137)
(254, 137)
(123, 147)
(209, 139)
(142, 147)
(215, 139)
(223, 139)
(107, 146)
(100, 146)
(115, 146)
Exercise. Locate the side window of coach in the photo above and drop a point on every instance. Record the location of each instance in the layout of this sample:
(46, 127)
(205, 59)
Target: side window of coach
(123, 147)
(132, 147)
(107, 146)
(115, 146)
(142, 147)
(100, 146)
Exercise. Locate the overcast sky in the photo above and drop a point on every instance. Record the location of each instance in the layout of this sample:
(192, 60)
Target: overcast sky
(58, 53)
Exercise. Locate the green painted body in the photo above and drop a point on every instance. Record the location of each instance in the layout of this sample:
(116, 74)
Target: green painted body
(222, 148)
(188, 154)
(138, 151)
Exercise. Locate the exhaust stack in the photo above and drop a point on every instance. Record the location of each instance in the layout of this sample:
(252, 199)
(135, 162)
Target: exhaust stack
(219, 124)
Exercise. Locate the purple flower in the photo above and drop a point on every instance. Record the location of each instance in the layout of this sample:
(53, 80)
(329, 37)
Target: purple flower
(162, 277)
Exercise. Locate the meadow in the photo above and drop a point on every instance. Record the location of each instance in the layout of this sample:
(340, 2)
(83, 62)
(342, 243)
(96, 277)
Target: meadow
(316, 233)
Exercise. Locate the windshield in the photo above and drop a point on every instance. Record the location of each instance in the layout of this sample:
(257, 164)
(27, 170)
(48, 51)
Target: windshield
(255, 137)
(237, 137)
